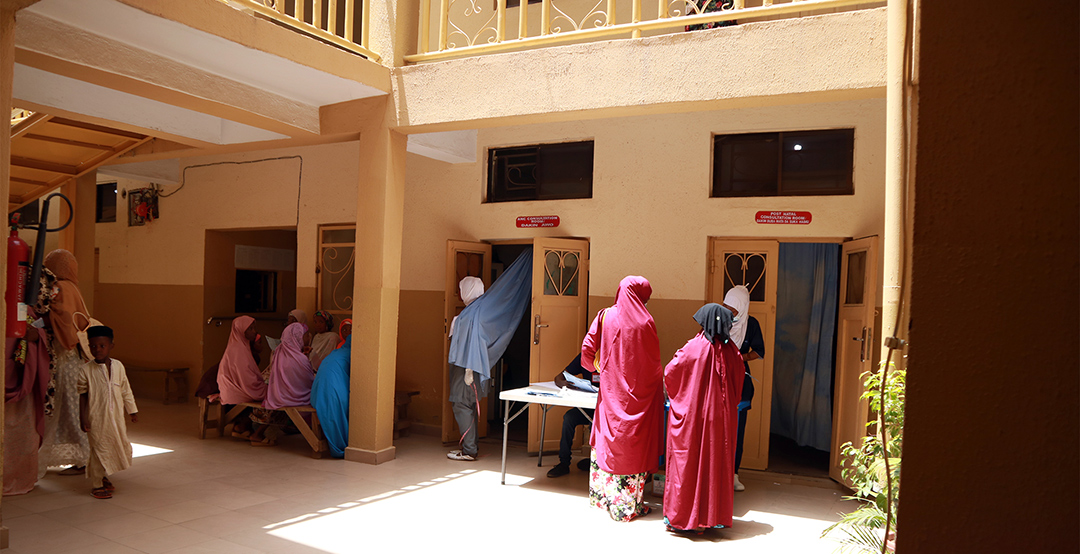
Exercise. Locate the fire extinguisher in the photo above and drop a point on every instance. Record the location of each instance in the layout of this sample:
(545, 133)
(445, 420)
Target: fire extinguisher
(18, 256)
(19, 288)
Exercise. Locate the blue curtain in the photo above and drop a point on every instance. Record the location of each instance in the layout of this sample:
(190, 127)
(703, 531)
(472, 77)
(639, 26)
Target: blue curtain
(484, 328)
(806, 306)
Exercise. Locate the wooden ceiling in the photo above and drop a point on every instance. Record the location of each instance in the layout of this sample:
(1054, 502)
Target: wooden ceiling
(48, 151)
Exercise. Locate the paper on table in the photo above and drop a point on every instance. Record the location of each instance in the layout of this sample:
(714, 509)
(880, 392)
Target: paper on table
(273, 343)
(579, 384)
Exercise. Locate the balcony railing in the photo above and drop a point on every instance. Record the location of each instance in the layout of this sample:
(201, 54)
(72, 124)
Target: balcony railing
(473, 27)
(332, 21)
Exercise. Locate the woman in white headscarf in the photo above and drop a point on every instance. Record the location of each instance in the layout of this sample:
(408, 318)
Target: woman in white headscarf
(746, 334)
(463, 393)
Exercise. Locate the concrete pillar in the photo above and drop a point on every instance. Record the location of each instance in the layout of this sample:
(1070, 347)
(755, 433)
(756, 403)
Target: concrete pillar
(379, 216)
(993, 386)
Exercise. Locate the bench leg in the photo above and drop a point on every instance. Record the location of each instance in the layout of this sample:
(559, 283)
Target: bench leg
(203, 409)
(313, 440)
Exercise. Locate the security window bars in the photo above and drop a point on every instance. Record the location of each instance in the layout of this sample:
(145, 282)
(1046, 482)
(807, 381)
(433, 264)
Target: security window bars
(540, 172)
(791, 163)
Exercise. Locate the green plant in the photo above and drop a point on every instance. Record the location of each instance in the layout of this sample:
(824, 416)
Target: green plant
(874, 467)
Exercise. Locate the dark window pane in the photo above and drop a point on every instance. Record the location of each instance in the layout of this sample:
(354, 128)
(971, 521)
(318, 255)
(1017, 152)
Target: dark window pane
(339, 236)
(745, 165)
(106, 203)
(856, 277)
(256, 291)
(818, 161)
(784, 164)
(540, 172)
(746, 268)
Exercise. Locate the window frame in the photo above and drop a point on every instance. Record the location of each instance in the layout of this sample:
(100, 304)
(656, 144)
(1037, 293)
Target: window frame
(779, 136)
(490, 166)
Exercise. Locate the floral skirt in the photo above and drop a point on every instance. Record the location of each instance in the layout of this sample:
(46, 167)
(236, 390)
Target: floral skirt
(621, 495)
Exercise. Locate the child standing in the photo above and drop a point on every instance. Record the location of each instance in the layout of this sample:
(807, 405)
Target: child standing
(104, 397)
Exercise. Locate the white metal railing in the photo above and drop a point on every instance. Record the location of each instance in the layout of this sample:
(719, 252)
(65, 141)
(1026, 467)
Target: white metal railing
(333, 21)
(469, 27)
(18, 115)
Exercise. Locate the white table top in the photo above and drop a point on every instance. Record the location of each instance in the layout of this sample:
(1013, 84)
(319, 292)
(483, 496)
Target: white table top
(569, 398)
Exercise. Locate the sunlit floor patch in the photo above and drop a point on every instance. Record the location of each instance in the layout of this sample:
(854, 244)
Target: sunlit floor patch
(140, 450)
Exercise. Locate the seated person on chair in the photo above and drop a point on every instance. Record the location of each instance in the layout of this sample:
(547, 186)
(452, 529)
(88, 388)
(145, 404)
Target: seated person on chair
(571, 419)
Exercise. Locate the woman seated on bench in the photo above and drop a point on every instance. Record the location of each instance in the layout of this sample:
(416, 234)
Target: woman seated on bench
(238, 377)
(330, 397)
(291, 373)
(324, 340)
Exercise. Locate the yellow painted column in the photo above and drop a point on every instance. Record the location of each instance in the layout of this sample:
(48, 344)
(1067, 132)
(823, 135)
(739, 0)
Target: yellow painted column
(896, 163)
(379, 215)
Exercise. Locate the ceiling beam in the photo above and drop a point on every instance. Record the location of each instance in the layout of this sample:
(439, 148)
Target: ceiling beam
(52, 167)
(67, 142)
(96, 128)
(30, 182)
(24, 126)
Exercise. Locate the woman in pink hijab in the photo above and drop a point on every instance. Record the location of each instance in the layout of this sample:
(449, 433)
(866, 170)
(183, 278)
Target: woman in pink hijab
(291, 373)
(239, 378)
(623, 347)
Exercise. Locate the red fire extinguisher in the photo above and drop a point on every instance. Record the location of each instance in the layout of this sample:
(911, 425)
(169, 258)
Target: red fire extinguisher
(17, 271)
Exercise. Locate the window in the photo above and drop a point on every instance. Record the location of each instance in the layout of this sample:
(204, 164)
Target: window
(106, 202)
(794, 163)
(256, 291)
(540, 172)
(336, 269)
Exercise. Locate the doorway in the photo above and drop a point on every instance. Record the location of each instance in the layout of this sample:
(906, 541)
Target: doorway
(251, 272)
(804, 360)
(756, 264)
(547, 337)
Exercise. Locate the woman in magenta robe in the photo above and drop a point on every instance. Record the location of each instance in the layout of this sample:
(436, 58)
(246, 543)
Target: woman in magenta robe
(291, 373)
(623, 347)
(704, 384)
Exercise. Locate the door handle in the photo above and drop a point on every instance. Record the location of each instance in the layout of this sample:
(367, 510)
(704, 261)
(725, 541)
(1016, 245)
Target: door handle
(536, 329)
(862, 345)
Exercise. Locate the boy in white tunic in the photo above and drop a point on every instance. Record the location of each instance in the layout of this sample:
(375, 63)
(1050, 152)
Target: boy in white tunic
(104, 397)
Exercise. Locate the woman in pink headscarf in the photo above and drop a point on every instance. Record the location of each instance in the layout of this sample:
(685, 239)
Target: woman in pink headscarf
(623, 347)
(239, 378)
(291, 373)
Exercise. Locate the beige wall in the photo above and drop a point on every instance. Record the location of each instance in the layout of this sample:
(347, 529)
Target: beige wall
(650, 214)
(141, 265)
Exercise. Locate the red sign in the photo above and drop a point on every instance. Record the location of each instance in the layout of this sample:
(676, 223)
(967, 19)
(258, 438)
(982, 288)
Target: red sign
(784, 218)
(538, 221)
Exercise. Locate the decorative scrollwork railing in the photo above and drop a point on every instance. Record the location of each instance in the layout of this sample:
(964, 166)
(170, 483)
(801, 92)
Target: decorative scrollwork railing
(470, 27)
(334, 22)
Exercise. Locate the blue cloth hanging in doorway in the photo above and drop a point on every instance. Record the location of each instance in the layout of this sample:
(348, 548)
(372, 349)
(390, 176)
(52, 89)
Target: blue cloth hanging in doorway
(806, 308)
(484, 328)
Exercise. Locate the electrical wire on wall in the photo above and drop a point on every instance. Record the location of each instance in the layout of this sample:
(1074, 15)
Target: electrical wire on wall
(299, 177)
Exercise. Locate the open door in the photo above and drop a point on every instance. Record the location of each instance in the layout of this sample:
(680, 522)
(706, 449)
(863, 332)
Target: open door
(854, 348)
(462, 259)
(560, 302)
(753, 263)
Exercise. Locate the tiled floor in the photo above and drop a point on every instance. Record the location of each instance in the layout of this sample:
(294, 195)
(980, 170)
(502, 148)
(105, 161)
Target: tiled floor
(223, 496)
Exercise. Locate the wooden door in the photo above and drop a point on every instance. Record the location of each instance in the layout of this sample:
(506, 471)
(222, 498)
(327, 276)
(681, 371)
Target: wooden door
(854, 346)
(753, 263)
(560, 302)
(462, 259)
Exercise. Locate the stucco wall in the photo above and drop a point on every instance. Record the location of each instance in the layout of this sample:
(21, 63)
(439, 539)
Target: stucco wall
(839, 56)
(145, 272)
(650, 213)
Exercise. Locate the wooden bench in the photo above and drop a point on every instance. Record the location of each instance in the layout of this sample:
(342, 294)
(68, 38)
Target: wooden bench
(176, 381)
(312, 433)
(401, 412)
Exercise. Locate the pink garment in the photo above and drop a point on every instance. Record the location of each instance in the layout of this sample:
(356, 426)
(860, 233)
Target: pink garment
(239, 378)
(29, 379)
(628, 426)
(291, 374)
(704, 382)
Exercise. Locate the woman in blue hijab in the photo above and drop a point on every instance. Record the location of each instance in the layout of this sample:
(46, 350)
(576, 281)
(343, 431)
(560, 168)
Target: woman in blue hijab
(330, 397)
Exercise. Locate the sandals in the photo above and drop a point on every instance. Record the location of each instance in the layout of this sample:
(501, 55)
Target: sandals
(264, 442)
(101, 493)
(107, 484)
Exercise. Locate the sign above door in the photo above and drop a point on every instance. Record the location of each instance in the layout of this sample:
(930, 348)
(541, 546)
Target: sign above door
(783, 218)
(528, 221)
